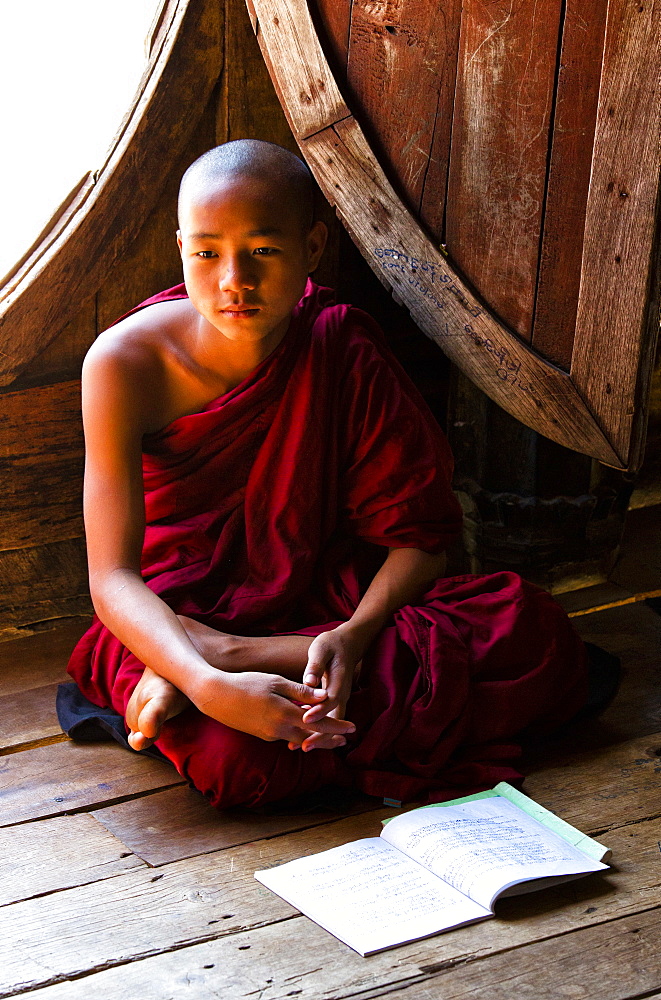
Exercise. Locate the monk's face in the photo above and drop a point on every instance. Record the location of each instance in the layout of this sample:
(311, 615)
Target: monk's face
(246, 255)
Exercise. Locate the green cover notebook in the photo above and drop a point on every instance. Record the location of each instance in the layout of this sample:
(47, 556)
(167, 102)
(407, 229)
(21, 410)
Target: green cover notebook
(435, 868)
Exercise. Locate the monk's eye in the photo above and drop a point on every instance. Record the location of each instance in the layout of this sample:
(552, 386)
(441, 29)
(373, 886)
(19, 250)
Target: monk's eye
(265, 251)
(206, 254)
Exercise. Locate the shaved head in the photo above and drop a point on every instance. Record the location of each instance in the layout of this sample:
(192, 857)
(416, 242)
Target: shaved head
(287, 177)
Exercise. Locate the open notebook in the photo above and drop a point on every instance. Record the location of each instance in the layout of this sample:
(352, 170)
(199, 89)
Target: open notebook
(435, 868)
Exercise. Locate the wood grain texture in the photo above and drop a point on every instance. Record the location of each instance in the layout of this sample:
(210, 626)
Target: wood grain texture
(310, 97)
(43, 581)
(633, 633)
(441, 305)
(32, 661)
(401, 76)
(184, 67)
(602, 788)
(618, 275)
(24, 873)
(28, 715)
(41, 465)
(61, 360)
(577, 93)
(247, 958)
(334, 20)
(248, 107)
(622, 964)
(65, 777)
(183, 903)
(500, 137)
(179, 823)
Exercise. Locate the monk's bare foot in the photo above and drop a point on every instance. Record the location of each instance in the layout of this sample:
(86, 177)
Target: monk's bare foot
(152, 703)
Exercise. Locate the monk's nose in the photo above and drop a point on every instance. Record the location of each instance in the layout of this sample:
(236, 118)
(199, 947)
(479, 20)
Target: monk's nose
(238, 274)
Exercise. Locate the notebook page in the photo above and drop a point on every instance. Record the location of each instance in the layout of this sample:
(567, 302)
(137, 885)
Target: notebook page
(484, 846)
(370, 896)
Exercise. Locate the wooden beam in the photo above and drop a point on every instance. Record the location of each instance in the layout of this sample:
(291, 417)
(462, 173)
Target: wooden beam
(310, 97)
(540, 395)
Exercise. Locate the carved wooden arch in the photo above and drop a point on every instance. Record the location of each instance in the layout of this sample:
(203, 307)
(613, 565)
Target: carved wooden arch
(102, 215)
(598, 407)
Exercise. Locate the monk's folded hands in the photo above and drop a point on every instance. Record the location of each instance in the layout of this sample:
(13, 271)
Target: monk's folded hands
(266, 705)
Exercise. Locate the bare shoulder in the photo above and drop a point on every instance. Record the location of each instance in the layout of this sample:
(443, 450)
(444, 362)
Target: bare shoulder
(129, 366)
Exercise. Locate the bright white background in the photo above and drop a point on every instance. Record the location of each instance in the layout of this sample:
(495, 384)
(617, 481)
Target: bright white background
(68, 72)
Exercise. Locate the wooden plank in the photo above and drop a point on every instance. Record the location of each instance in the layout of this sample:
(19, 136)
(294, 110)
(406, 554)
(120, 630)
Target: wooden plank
(62, 360)
(28, 715)
(43, 581)
(59, 853)
(442, 306)
(577, 93)
(401, 74)
(67, 776)
(620, 962)
(250, 108)
(632, 632)
(310, 98)
(15, 618)
(619, 286)
(604, 788)
(183, 70)
(35, 660)
(41, 465)
(179, 823)
(500, 137)
(216, 897)
(334, 19)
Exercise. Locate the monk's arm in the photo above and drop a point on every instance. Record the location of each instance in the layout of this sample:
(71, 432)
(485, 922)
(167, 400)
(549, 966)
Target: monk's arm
(402, 579)
(118, 391)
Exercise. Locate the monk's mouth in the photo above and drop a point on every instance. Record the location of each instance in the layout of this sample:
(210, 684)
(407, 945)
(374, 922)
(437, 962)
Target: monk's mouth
(239, 313)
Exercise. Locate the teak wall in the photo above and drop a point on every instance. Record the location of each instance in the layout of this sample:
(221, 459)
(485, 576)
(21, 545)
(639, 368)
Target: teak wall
(43, 571)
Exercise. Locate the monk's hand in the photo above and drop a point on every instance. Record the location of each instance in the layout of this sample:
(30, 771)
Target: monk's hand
(268, 706)
(333, 663)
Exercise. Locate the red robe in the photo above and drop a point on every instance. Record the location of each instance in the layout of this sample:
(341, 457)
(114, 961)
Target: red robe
(269, 511)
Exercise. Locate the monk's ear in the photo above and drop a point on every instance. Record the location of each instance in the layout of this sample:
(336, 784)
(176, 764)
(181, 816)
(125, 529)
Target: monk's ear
(180, 242)
(316, 242)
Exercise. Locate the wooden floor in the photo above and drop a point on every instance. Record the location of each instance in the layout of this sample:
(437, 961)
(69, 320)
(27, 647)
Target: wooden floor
(119, 882)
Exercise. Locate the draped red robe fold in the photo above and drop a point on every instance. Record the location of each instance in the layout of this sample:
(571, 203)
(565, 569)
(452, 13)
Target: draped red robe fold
(269, 512)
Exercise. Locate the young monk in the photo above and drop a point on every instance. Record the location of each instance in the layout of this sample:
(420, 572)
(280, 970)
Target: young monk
(267, 505)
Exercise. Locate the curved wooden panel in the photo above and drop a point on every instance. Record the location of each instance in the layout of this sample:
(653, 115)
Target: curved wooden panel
(597, 408)
(104, 213)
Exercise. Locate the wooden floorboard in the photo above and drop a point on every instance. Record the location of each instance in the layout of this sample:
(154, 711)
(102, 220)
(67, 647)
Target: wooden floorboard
(639, 565)
(142, 912)
(65, 777)
(602, 788)
(179, 823)
(77, 850)
(632, 632)
(32, 661)
(28, 715)
(86, 913)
